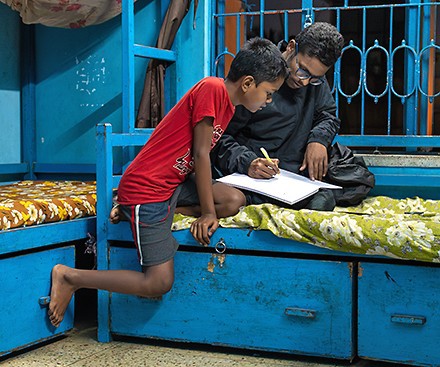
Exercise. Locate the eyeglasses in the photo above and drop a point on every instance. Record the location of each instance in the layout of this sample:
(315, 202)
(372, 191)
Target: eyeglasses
(304, 74)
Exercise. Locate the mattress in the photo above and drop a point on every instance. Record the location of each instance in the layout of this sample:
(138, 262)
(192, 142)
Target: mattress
(27, 203)
(406, 229)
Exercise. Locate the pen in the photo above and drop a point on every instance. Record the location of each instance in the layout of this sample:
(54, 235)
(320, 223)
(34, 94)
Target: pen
(265, 154)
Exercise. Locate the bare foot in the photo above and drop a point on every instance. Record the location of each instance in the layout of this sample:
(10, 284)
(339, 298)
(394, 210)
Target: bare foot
(116, 215)
(60, 294)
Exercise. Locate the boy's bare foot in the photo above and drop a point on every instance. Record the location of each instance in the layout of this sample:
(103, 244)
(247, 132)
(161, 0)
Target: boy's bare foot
(60, 294)
(114, 215)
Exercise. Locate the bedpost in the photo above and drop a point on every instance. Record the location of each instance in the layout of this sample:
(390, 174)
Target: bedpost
(104, 188)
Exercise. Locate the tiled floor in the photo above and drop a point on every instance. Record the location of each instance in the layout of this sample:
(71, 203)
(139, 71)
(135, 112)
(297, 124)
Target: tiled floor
(80, 349)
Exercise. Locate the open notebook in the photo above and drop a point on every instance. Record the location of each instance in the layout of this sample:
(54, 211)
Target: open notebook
(287, 186)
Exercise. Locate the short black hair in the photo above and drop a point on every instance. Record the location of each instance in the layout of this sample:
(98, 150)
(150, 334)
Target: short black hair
(261, 59)
(321, 40)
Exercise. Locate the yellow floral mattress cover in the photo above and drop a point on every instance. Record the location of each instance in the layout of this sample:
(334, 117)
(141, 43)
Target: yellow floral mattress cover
(405, 229)
(27, 203)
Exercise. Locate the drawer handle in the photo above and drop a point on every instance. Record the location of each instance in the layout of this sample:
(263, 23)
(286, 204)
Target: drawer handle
(408, 319)
(220, 246)
(300, 312)
(44, 301)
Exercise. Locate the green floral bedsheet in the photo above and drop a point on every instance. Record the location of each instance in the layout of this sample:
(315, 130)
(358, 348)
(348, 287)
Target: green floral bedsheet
(404, 229)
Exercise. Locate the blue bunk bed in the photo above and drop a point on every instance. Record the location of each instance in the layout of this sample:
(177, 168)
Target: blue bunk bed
(37, 231)
(262, 288)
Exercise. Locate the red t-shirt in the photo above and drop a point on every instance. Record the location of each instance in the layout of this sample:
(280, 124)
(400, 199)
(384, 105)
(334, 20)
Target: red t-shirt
(166, 159)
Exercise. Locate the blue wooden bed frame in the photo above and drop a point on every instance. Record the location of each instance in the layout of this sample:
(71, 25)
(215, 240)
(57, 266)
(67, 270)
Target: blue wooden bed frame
(27, 256)
(268, 293)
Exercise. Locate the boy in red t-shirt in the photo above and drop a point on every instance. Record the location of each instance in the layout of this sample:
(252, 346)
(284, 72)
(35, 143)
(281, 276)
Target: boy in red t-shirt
(150, 187)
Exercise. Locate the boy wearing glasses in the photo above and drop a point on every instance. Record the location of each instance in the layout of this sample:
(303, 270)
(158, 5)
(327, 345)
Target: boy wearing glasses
(297, 128)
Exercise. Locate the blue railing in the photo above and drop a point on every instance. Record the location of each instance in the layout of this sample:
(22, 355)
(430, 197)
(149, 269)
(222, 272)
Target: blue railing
(404, 91)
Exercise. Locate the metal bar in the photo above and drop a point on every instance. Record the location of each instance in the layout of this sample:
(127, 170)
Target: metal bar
(363, 68)
(410, 49)
(410, 80)
(307, 13)
(300, 312)
(337, 75)
(221, 39)
(237, 38)
(431, 72)
(328, 8)
(389, 72)
(408, 319)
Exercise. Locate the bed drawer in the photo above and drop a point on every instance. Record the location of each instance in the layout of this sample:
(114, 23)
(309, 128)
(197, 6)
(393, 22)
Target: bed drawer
(244, 301)
(399, 314)
(24, 280)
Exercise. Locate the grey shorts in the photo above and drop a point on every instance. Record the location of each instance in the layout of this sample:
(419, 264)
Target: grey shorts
(151, 224)
(188, 195)
(151, 228)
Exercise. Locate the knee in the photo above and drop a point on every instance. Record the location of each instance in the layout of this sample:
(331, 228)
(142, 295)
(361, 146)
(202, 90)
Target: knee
(164, 286)
(235, 201)
(156, 285)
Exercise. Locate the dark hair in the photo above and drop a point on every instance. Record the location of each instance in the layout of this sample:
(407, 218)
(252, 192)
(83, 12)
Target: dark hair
(261, 59)
(321, 40)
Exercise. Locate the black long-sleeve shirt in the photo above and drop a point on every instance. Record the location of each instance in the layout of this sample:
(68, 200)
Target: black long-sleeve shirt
(284, 127)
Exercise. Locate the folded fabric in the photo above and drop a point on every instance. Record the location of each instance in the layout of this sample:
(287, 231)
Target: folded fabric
(406, 229)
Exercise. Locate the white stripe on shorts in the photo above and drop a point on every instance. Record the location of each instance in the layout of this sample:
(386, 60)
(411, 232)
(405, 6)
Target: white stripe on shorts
(138, 239)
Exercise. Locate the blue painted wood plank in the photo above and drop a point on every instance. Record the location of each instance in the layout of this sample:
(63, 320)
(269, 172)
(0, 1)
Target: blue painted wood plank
(24, 279)
(240, 239)
(399, 313)
(154, 53)
(388, 141)
(122, 140)
(236, 239)
(389, 176)
(64, 168)
(45, 234)
(14, 168)
(244, 301)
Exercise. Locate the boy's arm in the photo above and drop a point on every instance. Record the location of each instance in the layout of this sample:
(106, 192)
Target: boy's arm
(206, 225)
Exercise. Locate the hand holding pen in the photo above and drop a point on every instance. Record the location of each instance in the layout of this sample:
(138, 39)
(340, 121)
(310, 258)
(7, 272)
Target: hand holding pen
(264, 167)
